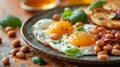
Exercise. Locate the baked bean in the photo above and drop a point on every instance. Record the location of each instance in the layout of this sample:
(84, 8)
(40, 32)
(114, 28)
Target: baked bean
(54, 36)
(14, 51)
(56, 17)
(107, 31)
(96, 26)
(115, 52)
(100, 43)
(11, 33)
(101, 28)
(94, 31)
(109, 36)
(20, 55)
(5, 60)
(96, 49)
(102, 52)
(104, 32)
(8, 28)
(102, 57)
(25, 49)
(15, 43)
(110, 46)
(78, 24)
(117, 35)
(116, 47)
(107, 48)
(115, 44)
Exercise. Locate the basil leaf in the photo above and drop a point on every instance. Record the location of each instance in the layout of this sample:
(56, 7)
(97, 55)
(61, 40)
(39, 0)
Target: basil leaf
(67, 13)
(38, 60)
(10, 21)
(78, 16)
(112, 15)
(73, 52)
(98, 3)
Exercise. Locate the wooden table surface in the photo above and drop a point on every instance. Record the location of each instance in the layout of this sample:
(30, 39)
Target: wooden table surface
(12, 7)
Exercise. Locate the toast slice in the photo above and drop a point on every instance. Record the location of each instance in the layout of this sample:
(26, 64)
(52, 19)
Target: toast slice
(112, 5)
(101, 16)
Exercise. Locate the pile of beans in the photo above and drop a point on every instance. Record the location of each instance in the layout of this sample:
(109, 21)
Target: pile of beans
(107, 42)
(10, 31)
(18, 52)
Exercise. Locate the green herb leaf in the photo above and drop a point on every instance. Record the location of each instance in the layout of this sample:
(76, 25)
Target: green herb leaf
(38, 60)
(73, 52)
(67, 13)
(80, 28)
(10, 21)
(57, 42)
(68, 46)
(54, 42)
(112, 15)
(77, 15)
(98, 3)
(101, 18)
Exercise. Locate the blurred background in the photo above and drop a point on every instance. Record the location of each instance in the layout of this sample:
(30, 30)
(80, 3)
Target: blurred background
(48, 4)
(23, 8)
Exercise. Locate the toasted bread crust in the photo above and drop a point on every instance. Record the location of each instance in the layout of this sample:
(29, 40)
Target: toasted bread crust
(106, 21)
(112, 5)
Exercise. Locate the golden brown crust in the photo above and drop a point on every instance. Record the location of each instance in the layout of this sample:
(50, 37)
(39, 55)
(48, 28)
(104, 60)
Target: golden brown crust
(100, 17)
(112, 5)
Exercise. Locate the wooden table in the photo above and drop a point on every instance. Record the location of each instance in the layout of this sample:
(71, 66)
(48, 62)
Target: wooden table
(12, 7)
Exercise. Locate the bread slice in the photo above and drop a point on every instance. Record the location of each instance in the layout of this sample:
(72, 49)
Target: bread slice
(101, 16)
(112, 5)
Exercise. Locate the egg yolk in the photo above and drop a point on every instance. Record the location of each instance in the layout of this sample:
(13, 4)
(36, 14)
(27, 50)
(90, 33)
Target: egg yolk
(60, 27)
(82, 39)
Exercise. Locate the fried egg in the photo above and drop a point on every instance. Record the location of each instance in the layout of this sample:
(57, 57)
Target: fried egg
(70, 36)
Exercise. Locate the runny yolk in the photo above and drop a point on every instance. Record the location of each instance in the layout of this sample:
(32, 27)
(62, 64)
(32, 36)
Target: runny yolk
(60, 27)
(82, 39)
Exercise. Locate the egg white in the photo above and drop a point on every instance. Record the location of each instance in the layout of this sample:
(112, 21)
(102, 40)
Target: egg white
(39, 31)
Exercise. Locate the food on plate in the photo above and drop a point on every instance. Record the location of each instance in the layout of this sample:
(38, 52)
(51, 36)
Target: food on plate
(101, 17)
(56, 17)
(77, 33)
(66, 35)
(98, 3)
(77, 15)
(112, 5)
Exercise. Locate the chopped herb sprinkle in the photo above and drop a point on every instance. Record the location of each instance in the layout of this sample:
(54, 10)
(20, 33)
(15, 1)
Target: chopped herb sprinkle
(112, 15)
